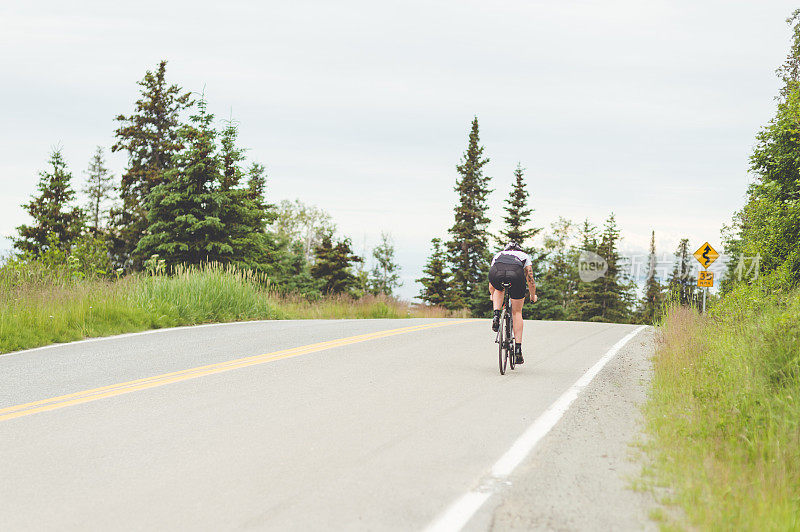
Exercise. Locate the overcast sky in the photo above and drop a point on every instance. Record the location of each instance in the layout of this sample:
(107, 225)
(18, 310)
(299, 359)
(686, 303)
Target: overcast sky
(645, 108)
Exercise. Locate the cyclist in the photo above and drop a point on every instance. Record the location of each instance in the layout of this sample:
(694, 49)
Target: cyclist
(514, 266)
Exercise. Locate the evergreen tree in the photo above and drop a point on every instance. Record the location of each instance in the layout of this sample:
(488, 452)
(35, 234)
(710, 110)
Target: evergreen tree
(682, 282)
(99, 186)
(241, 210)
(152, 137)
(231, 157)
(256, 191)
(586, 305)
(184, 210)
(518, 214)
(333, 265)
(468, 247)
(617, 289)
(384, 277)
(652, 302)
(274, 250)
(588, 236)
(517, 229)
(609, 297)
(56, 221)
(436, 280)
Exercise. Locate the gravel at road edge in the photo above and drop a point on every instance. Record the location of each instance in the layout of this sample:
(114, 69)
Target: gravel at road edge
(580, 475)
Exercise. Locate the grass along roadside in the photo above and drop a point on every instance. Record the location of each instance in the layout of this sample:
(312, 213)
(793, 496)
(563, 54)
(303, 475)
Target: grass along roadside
(724, 412)
(42, 310)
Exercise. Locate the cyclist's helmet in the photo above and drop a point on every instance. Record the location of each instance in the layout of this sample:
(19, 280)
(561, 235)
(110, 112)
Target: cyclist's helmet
(513, 246)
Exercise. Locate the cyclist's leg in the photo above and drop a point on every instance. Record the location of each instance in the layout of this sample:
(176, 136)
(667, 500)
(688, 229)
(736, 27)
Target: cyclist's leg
(517, 293)
(516, 314)
(497, 299)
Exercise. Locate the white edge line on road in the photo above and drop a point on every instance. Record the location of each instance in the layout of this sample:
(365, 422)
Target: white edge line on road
(461, 511)
(128, 335)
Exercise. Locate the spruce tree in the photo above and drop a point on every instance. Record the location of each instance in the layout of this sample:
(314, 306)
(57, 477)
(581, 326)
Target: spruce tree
(435, 280)
(151, 136)
(518, 213)
(617, 295)
(384, 277)
(183, 212)
(256, 191)
(55, 219)
(99, 186)
(586, 305)
(272, 250)
(241, 210)
(468, 247)
(518, 229)
(652, 301)
(608, 298)
(588, 236)
(682, 282)
(333, 265)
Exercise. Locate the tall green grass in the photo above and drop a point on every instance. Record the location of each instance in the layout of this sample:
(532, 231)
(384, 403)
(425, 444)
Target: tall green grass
(724, 412)
(40, 307)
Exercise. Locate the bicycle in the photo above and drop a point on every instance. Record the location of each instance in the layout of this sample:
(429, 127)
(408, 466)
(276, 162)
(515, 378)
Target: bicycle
(505, 334)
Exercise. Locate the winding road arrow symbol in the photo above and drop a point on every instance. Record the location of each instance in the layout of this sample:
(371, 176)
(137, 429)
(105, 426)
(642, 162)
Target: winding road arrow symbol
(705, 255)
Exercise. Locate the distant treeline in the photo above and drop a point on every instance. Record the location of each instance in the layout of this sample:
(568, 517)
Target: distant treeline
(188, 197)
(456, 273)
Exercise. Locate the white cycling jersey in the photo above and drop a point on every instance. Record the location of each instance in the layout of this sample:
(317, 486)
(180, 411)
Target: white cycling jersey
(521, 255)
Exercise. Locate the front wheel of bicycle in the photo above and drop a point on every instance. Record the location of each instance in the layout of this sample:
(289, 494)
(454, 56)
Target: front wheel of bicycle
(510, 349)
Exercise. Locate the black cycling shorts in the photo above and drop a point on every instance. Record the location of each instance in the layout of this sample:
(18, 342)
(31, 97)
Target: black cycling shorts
(501, 273)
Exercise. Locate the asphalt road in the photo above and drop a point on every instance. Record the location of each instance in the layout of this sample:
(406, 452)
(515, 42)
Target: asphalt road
(382, 431)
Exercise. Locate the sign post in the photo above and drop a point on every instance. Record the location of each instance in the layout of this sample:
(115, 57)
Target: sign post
(705, 255)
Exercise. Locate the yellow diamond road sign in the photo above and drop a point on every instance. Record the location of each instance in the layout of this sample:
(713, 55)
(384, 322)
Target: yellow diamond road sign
(706, 255)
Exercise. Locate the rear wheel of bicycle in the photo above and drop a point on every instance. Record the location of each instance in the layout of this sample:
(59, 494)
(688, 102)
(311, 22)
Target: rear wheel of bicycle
(502, 352)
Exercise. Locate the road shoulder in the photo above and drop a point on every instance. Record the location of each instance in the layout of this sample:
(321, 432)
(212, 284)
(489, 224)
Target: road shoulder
(580, 477)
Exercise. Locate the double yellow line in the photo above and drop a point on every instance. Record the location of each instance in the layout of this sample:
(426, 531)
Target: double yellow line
(113, 390)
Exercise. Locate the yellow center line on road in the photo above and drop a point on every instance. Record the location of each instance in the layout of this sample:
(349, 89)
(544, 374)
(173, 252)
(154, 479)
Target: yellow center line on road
(85, 396)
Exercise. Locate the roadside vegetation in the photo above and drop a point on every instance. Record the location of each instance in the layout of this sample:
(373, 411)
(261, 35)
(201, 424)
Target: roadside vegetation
(43, 306)
(724, 410)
